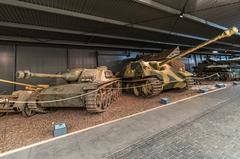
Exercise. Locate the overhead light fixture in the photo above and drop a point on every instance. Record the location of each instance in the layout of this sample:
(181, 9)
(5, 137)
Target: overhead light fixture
(215, 51)
(181, 15)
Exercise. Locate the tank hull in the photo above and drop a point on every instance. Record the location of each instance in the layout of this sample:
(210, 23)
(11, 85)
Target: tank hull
(227, 70)
(63, 92)
(94, 89)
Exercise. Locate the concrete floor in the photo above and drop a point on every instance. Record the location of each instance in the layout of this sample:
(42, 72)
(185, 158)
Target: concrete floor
(206, 126)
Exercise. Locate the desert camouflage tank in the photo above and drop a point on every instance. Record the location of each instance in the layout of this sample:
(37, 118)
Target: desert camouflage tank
(226, 70)
(94, 89)
(149, 78)
(176, 75)
(175, 68)
(153, 78)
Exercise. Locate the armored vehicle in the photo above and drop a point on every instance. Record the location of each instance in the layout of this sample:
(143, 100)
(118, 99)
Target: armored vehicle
(226, 70)
(16, 101)
(149, 78)
(94, 89)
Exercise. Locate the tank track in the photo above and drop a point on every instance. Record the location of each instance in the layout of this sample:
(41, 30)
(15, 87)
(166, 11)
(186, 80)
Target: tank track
(6, 106)
(156, 86)
(98, 101)
(190, 81)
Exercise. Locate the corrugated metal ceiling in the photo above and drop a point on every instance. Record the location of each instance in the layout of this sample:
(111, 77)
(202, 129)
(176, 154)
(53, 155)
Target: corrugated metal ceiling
(46, 35)
(124, 10)
(223, 12)
(218, 11)
(226, 15)
(131, 12)
(28, 16)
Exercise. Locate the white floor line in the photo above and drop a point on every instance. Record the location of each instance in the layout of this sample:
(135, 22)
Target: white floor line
(106, 123)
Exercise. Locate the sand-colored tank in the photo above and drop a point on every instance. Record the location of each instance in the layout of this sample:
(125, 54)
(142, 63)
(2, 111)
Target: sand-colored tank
(148, 78)
(94, 89)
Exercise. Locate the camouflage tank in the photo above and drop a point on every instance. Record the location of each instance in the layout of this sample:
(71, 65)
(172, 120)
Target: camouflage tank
(175, 70)
(149, 78)
(152, 78)
(226, 70)
(94, 89)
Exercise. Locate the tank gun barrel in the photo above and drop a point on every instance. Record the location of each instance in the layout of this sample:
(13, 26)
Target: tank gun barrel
(68, 76)
(226, 33)
(27, 86)
(27, 74)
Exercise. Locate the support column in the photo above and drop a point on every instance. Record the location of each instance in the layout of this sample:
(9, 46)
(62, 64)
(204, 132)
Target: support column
(97, 56)
(15, 65)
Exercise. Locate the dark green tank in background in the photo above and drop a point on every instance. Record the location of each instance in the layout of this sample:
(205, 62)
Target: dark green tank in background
(227, 70)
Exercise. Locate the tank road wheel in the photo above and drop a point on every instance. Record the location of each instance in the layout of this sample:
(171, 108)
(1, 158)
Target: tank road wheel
(96, 102)
(136, 90)
(150, 87)
(116, 92)
(128, 88)
(118, 89)
(108, 96)
(147, 88)
(27, 112)
(156, 87)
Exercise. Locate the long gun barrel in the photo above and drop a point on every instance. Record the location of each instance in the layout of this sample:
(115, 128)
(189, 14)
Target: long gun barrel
(27, 86)
(68, 76)
(226, 33)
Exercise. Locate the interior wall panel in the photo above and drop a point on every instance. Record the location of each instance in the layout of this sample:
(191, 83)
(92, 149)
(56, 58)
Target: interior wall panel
(7, 60)
(42, 60)
(189, 62)
(115, 63)
(53, 60)
(82, 58)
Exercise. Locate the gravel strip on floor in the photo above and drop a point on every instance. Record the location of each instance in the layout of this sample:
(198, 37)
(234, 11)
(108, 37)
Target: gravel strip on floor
(17, 131)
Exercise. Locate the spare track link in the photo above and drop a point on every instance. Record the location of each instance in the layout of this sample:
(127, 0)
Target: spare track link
(91, 99)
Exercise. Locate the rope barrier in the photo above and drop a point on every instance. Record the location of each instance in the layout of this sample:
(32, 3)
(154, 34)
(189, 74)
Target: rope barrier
(206, 77)
(69, 98)
(81, 95)
(53, 101)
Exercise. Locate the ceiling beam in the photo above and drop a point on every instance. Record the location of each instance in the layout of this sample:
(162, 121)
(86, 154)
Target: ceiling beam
(162, 7)
(107, 20)
(52, 29)
(72, 43)
(74, 32)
